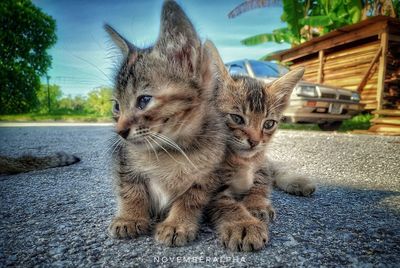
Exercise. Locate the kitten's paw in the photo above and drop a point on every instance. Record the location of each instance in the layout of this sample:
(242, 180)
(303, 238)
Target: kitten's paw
(301, 188)
(172, 233)
(244, 235)
(266, 214)
(128, 228)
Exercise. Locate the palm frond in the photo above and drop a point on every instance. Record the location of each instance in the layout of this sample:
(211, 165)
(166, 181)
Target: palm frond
(281, 35)
(252, 4)
(316, 21)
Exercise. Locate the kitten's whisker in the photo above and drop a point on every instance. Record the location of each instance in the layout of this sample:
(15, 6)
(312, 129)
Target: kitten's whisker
(147, 147)
(174, 145)
(114, 141)
(117, 145)
(183, 122)
(155, 153)
(165, 150)
(236, 142)
(88, 62)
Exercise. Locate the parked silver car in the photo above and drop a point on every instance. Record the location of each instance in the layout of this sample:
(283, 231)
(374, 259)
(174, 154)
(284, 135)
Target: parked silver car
(324, 105)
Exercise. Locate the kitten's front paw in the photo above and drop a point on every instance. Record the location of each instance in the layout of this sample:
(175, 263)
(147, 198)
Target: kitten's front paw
(244, 235)
(171, 233)
(266, 214)
(302, 188)
(128, 228)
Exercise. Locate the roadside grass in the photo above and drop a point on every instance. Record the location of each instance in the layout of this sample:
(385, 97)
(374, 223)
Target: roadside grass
(360, 121)
(34, 117)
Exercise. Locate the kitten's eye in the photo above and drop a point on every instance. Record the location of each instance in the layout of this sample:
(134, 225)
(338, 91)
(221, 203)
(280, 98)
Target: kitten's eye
(142, 101)
(269, 124)
(237, 119)
(115, 107)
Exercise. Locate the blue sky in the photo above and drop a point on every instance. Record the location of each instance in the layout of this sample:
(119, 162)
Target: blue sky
(84, 58)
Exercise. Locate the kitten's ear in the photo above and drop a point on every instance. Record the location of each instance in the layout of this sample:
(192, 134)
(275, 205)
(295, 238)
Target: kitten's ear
(175, 27)
(124, 45)
(179, 42)
(222, 71)
(281, 89)
(178, 39)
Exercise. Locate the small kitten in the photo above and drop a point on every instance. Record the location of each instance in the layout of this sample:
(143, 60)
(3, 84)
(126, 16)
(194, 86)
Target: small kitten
(26, 163)
(252, 111)
(171, 137)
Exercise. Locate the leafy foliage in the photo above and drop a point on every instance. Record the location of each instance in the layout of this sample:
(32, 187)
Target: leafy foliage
(307, 19)
(53, 93)
(70, 105)
(99, 101)
(25, 35)
(251, 4)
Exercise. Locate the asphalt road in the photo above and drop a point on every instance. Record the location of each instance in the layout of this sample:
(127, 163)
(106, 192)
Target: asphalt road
(59, 217)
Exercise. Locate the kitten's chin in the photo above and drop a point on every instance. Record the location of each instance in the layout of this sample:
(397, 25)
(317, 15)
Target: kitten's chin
(246, 153)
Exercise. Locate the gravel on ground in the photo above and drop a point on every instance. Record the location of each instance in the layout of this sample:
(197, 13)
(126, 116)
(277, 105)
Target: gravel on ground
(59, 217)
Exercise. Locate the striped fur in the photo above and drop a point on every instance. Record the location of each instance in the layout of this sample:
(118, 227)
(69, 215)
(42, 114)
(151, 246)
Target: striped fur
(241, 210)
(169, 148)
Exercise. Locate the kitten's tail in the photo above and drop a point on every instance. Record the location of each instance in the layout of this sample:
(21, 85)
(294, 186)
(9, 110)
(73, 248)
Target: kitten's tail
(26, 163)
(291, 182)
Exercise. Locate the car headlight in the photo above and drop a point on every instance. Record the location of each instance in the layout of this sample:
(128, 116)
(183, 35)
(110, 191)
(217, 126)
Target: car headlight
(355, 97)
(307, 91)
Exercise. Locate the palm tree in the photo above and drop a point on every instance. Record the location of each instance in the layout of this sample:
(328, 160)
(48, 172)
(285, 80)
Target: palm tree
(307, 19)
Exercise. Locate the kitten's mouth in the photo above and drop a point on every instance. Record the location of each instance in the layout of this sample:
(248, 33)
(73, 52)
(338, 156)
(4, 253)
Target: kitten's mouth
(248, 152)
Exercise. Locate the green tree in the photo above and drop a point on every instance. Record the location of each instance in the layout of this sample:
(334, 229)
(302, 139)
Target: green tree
(99, 101)
(306, 19)
(72, 105)
(44, 95)
(26, 33)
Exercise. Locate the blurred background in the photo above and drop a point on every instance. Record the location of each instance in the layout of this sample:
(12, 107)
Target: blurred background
(57, 63)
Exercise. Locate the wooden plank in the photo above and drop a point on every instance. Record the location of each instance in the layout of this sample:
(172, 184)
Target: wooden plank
(368, 98)
(386, 120)
(343, 73)
(368, 101)
(367, 74)
(350, 80)
(367, 132)
(387, 112)
(359, 63)
(321, 59)
(370, 47)
(385, 128)
(374, 24)
(370, 107)
(340, 39)
(368, 93)
(382, 68)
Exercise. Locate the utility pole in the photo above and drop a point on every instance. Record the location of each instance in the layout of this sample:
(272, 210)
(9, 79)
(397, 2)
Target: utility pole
(48, 92)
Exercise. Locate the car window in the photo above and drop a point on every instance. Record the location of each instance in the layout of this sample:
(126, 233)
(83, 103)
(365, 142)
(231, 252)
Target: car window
(235, 68)
(267, 69)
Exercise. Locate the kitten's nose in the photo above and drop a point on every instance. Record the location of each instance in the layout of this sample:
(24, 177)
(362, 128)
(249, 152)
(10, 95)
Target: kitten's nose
(253, 143)
(124, 133)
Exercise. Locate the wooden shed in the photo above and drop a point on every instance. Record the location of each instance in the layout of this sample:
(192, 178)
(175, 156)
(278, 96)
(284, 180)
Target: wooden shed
(363, 57)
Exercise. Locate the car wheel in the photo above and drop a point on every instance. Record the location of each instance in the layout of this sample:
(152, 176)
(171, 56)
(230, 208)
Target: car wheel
(330, 126)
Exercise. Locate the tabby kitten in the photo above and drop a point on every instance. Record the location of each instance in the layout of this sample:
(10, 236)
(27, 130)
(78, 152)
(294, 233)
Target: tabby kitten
(252, 111)
(26, 163)
(171, 136)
